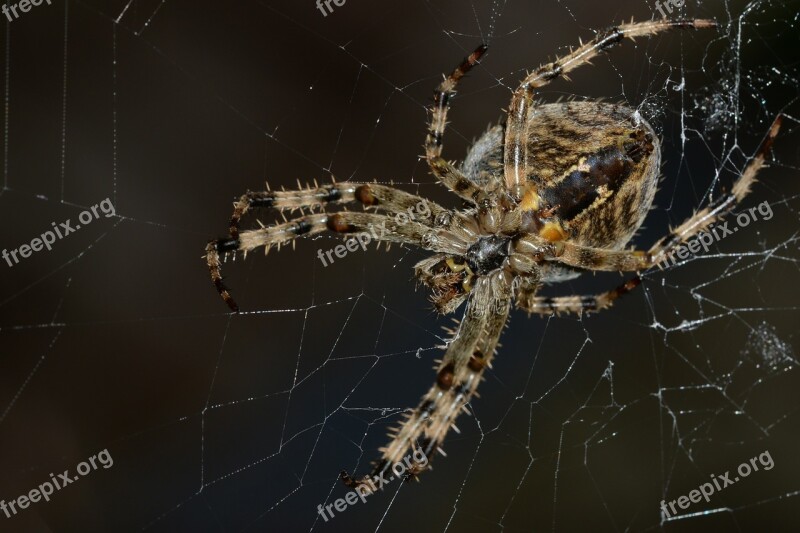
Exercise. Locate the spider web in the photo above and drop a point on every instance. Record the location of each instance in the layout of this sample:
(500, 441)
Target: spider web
(115, 339)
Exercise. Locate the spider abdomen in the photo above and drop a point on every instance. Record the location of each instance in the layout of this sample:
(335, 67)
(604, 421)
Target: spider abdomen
(593, 168)
(598, 169)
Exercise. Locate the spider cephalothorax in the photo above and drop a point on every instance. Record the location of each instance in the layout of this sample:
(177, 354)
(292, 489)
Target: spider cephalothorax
(556, 190)
(591, 184)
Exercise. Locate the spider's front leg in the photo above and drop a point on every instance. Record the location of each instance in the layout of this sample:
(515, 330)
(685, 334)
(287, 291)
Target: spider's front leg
(461, 370)
(367, 194)
(309, 198)
(372, 226)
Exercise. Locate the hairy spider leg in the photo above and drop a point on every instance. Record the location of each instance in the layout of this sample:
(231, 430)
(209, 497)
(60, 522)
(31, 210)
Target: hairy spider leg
(380, 227)
(519, 112)
(527, 300)
(449, 175)
(587, 257)
(468, 354)
(373, 195)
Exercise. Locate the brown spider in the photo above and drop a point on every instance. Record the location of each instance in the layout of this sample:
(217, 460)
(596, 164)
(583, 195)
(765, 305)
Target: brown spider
(558, 190)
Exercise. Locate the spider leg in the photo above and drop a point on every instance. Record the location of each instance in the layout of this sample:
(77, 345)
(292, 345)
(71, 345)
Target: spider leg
(527, 300)
(449, 175)
(297, 199)
(634, 260)
(369, 195)
(369, 226)
(519, 112)
(461, 370)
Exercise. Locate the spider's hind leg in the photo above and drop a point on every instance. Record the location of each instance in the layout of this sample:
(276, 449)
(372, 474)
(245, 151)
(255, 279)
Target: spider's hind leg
(527, 299)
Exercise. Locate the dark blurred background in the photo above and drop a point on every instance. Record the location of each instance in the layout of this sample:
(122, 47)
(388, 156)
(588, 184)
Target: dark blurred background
(116, 339)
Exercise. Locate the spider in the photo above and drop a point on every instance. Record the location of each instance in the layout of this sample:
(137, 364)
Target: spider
(557, 190)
